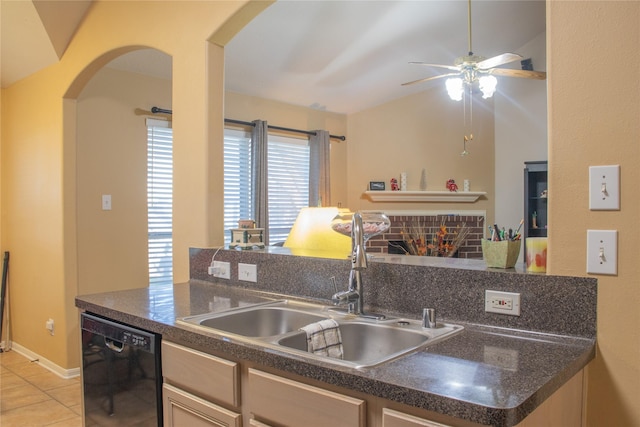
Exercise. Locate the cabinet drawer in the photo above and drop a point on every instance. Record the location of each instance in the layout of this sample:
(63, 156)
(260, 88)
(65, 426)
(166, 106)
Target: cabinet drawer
(207, 376)
(391, 418)
(285, 402)
(255, 423)
(183, 409)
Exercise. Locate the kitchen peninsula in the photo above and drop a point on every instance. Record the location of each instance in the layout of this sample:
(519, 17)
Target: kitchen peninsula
(497, 371)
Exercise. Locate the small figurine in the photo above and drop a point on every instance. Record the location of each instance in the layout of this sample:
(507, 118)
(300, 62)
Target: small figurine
(394, 185)
(452, 186)
(543, 195)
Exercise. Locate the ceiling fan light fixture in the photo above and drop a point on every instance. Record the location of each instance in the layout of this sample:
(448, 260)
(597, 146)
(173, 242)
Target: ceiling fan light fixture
(487, 85)
(455, 88)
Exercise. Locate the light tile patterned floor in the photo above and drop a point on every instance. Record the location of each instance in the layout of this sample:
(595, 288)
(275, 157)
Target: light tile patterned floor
(32, 396)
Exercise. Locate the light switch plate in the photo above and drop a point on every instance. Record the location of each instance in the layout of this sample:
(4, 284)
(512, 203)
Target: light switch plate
(604, 188)
(247, 272)
(602, 252)
(106, 202)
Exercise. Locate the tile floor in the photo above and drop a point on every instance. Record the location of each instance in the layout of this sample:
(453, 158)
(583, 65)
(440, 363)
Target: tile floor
(32, 396)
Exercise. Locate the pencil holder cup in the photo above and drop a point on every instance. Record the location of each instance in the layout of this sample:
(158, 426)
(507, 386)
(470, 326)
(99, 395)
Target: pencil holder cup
(502, 254)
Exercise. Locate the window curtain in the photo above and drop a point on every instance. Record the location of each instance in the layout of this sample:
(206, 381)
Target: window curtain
(319, 177)
(259, 181)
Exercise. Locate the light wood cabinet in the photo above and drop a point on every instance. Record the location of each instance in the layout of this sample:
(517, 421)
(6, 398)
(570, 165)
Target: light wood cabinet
(391, 418)
(184, 409)
(202, 390)
(195, 386)
(204, 375)
(255, 423)
(290, 403)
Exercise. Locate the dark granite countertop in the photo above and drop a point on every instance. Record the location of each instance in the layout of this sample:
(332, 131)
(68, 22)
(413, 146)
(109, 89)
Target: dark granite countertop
(485, 374)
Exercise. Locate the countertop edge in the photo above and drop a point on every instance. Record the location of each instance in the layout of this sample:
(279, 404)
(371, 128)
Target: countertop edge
(349, 378)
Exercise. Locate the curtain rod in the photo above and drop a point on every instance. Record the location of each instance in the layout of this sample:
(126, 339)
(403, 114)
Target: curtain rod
(156, 110)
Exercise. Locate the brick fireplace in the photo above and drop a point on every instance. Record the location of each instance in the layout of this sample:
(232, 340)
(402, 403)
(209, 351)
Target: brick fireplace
(430, 222)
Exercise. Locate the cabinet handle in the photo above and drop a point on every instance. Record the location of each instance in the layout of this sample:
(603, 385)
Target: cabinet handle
(112, 346)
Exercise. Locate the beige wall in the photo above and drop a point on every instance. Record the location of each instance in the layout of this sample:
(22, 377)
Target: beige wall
(38, 148)
(594, 115)
(111, 157)
(594, 119)
(416, 132)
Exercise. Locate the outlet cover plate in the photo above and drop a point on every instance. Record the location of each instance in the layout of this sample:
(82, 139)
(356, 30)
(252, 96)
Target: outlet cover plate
(502, 302)
(221, 270)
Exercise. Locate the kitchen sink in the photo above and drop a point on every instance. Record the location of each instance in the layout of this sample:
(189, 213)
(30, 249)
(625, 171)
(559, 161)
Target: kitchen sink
(366, 344)
(276, 325)
(260, 320)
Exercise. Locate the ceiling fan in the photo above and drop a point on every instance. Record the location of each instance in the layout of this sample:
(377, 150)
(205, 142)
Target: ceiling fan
(474, 68)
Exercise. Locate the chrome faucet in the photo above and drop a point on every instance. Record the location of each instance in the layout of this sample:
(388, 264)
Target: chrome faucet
(353, 296)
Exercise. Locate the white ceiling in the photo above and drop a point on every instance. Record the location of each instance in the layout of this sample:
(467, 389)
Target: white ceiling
(340, 56)
(344, 56)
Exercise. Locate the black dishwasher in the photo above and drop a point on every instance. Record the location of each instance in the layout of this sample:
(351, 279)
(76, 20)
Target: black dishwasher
(121, 374)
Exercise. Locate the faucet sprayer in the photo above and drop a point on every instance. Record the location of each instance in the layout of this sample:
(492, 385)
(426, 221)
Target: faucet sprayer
(353, 296)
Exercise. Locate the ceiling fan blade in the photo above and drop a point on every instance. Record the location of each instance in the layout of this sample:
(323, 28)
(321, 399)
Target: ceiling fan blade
(526, 74)
(448, 67)
(505, 58)
(426, 79)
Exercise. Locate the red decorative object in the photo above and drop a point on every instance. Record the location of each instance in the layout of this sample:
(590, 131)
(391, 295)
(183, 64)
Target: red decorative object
(452, 186)
(394, 185)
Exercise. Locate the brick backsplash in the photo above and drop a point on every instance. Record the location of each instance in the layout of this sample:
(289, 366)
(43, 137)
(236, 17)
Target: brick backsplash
(472, 247)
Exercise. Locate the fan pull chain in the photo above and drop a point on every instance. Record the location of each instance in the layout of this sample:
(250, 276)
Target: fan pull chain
(469, 35)
(468, 127)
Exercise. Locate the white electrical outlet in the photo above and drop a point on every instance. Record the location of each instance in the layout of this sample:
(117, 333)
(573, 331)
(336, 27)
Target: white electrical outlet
(602, 252)
(247, 272)
(604, 188)
(220, 269)
(502, 302)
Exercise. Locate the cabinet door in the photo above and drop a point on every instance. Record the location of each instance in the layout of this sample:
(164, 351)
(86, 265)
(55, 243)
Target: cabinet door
(183, 409)
(255, 423)
(391, 418)
(273, 399)
(199, 373)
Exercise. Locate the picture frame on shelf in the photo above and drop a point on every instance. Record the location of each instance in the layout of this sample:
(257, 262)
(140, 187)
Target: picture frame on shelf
(376, 186)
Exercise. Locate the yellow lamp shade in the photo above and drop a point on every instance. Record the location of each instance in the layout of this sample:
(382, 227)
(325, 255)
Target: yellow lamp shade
(312, 234)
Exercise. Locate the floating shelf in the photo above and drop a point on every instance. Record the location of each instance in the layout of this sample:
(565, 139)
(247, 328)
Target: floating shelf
(425, 196)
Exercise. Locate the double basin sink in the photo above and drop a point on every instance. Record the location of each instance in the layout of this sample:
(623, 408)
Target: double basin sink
(276, 325)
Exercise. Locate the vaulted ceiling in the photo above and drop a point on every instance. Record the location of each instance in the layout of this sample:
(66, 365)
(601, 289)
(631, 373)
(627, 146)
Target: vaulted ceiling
(339, 56)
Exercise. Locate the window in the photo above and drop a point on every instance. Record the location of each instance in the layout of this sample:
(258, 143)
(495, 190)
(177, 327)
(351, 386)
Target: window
(237, 179)
(288, 176)
(160, 201)
(288, 184)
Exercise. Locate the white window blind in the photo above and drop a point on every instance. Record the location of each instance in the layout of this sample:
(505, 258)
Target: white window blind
(288, 184)
(160, 201)
(237, 179)
(288, 176)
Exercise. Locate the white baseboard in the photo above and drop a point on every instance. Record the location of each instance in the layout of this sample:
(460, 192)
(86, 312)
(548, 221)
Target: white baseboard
(45, 363)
